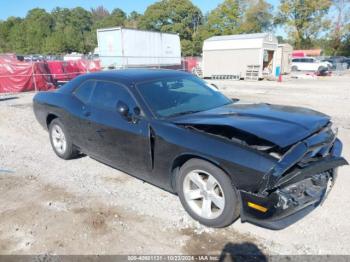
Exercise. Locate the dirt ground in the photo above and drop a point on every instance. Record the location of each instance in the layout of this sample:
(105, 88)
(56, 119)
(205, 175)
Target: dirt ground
(52, 206)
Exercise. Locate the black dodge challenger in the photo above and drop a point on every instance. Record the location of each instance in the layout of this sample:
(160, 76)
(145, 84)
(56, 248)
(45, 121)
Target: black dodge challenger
(270, 165)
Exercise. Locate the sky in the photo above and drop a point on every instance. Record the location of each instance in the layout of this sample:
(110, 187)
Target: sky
(21, 7)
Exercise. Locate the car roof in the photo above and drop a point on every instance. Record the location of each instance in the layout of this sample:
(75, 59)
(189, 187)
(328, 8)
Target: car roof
(134, 76)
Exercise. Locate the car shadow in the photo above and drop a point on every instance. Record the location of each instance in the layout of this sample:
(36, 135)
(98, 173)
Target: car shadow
(2, 99)
(80, 155)
(246, 251)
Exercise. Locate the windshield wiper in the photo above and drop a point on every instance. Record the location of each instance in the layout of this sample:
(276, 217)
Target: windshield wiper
(185, 113)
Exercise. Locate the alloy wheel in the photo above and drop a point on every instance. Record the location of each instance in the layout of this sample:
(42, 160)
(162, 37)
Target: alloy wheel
(204, 194)
(58, 139)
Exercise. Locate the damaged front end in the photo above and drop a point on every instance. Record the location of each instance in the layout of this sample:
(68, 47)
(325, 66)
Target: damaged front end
(297, 184)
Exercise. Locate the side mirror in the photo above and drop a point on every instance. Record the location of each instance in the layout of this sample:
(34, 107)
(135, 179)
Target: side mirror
(123, 109)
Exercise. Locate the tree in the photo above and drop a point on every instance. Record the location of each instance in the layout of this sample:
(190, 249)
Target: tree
(345, 46)
(61, 18)
(38, 24)
(5, 31)
(116, 18)
(17, 38)
(133, 19)
(55, 44)
(99, 13)
(257, 17)
(79, 25)
(175, 16)
(225, 19)
(304, 19)
(340, 25)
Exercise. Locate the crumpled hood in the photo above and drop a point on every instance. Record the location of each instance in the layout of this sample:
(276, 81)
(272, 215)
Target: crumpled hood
(280, 125)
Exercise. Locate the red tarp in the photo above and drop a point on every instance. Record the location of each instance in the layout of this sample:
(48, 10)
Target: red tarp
(67, 70)
(16, 76)
(190, 63)
(57, 70)
(308, 52)
(298, 54)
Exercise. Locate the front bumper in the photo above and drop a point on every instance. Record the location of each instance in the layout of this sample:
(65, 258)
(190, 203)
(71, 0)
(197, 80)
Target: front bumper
(288, 204)
(294, 195)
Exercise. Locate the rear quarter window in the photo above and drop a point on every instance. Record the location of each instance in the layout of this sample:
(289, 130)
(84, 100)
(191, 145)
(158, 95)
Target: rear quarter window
(107, 94)
(84, 91)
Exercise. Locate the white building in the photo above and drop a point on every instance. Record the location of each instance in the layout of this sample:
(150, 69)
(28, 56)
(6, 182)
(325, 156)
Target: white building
(284, 58)
(250, 56)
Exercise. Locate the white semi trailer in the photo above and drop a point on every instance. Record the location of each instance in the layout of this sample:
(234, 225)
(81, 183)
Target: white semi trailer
(124, 48)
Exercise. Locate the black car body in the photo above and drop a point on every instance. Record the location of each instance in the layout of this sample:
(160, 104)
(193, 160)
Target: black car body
(279, 159)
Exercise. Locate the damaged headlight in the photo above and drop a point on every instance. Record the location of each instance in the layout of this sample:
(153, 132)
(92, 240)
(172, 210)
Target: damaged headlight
(276, 155)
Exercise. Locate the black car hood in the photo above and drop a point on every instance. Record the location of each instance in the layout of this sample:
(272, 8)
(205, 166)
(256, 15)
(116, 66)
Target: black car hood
(280, 125)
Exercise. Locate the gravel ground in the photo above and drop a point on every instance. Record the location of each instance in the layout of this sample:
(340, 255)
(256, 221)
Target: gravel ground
(80, 206)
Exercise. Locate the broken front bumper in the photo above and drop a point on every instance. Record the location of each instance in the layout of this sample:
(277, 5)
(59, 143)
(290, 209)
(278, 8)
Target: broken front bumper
(294, 195)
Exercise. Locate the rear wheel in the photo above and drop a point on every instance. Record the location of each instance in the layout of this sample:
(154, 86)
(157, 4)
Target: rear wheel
(207, 193)
(294, 68)
(60, 140)
(321, 68)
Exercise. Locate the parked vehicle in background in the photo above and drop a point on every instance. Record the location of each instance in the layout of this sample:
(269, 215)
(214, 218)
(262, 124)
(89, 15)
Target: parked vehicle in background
(269, 164)
(309, 64)
(339, 61)
(34, 58)
(73, 56)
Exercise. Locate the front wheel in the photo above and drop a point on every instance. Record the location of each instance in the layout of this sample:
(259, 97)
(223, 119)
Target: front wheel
(60, 140)
(207, 193)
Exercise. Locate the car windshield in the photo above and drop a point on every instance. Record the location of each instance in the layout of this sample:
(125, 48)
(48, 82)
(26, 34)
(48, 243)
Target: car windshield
(181, 95)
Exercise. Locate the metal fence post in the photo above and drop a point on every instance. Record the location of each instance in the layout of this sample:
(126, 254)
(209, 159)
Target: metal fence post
(34, 80)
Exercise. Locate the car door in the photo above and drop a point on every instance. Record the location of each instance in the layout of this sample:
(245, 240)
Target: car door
(115, 140)
(81, 124)
(311, 64)
(302, 65)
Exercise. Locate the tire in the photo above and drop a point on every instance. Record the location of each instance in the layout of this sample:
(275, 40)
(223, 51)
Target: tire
(294, 68)
(320, 68)
(218, 186)
(66, 150)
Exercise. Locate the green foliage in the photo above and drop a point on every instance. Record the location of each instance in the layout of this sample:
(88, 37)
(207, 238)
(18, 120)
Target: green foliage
(340, 26)
(133, 20)
(74, 30)
(225, 19)
(176, 16)
(38, 26)
(257, 17)
(304, 19)
(345, 46)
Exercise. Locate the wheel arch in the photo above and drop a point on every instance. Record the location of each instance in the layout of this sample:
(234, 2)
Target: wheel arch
(180, 160)
(50, 117)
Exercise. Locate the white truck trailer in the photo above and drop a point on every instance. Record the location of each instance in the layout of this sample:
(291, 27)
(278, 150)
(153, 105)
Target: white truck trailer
(124, 48)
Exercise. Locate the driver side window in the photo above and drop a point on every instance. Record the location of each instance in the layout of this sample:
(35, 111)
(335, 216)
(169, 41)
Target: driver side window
(107, 94)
